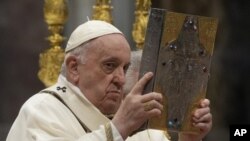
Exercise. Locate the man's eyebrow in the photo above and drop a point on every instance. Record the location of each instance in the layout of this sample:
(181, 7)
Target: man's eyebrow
(111, 58)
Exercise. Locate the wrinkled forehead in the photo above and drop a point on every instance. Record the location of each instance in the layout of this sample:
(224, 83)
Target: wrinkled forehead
(113, 45)
(111, 42)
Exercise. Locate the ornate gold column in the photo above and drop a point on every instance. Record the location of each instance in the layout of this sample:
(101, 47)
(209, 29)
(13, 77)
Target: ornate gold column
(141, 20)
(102, 11)
(55, 14)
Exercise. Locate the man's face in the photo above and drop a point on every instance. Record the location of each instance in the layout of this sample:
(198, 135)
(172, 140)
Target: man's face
(102, 76)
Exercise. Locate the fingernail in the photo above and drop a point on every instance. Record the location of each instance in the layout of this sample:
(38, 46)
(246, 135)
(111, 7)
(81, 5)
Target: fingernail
(150, 74)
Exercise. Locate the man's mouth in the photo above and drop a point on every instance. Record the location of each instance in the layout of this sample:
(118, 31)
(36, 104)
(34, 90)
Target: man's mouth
(115, 91)
(114, 94)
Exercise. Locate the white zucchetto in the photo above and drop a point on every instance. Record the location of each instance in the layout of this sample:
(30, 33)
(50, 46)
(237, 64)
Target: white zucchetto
(89, 30)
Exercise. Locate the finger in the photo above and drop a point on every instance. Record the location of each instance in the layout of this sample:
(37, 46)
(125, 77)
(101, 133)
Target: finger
(139, 86)
(153, 104)
(204, 103)
(198, 113)
(205, 119)
(203, 126)
(154, 113)
(152, 96)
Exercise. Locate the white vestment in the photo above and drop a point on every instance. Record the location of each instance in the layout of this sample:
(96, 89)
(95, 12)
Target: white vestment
(43, 117)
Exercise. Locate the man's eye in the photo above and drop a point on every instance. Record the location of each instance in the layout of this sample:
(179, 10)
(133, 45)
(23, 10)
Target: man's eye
(109, 66)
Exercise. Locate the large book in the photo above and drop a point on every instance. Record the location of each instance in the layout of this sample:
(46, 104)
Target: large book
(178, 49)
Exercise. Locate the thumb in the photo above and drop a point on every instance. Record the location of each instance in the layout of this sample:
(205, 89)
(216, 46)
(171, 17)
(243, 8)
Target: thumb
(139, 86)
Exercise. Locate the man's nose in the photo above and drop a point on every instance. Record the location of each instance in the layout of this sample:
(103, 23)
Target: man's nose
(120, 76)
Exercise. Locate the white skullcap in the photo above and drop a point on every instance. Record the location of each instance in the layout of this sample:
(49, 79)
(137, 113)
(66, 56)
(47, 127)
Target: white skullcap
(89, 30)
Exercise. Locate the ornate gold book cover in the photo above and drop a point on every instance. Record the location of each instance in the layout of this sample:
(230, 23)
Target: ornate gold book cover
(178, 49)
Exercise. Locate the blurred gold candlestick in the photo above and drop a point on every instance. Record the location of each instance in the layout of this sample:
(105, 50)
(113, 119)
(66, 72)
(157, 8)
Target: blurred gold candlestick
(141, 20)
(55, 14)
(102, 11)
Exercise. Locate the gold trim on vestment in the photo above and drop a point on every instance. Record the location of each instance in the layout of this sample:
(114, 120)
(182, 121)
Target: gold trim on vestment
(108, 130)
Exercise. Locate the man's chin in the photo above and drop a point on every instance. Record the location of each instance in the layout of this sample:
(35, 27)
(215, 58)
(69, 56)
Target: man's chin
(110, 109)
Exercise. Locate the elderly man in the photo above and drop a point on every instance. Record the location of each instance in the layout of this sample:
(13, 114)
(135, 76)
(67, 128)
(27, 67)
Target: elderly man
(87, 103)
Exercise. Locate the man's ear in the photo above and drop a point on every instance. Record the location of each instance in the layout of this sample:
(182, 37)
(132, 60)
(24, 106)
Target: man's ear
(72, 69)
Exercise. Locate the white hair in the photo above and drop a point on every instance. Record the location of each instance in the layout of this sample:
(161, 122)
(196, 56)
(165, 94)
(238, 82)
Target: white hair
(133, 70)
(79, 52)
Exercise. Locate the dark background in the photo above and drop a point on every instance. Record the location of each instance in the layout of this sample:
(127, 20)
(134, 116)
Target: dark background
(22, 39)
